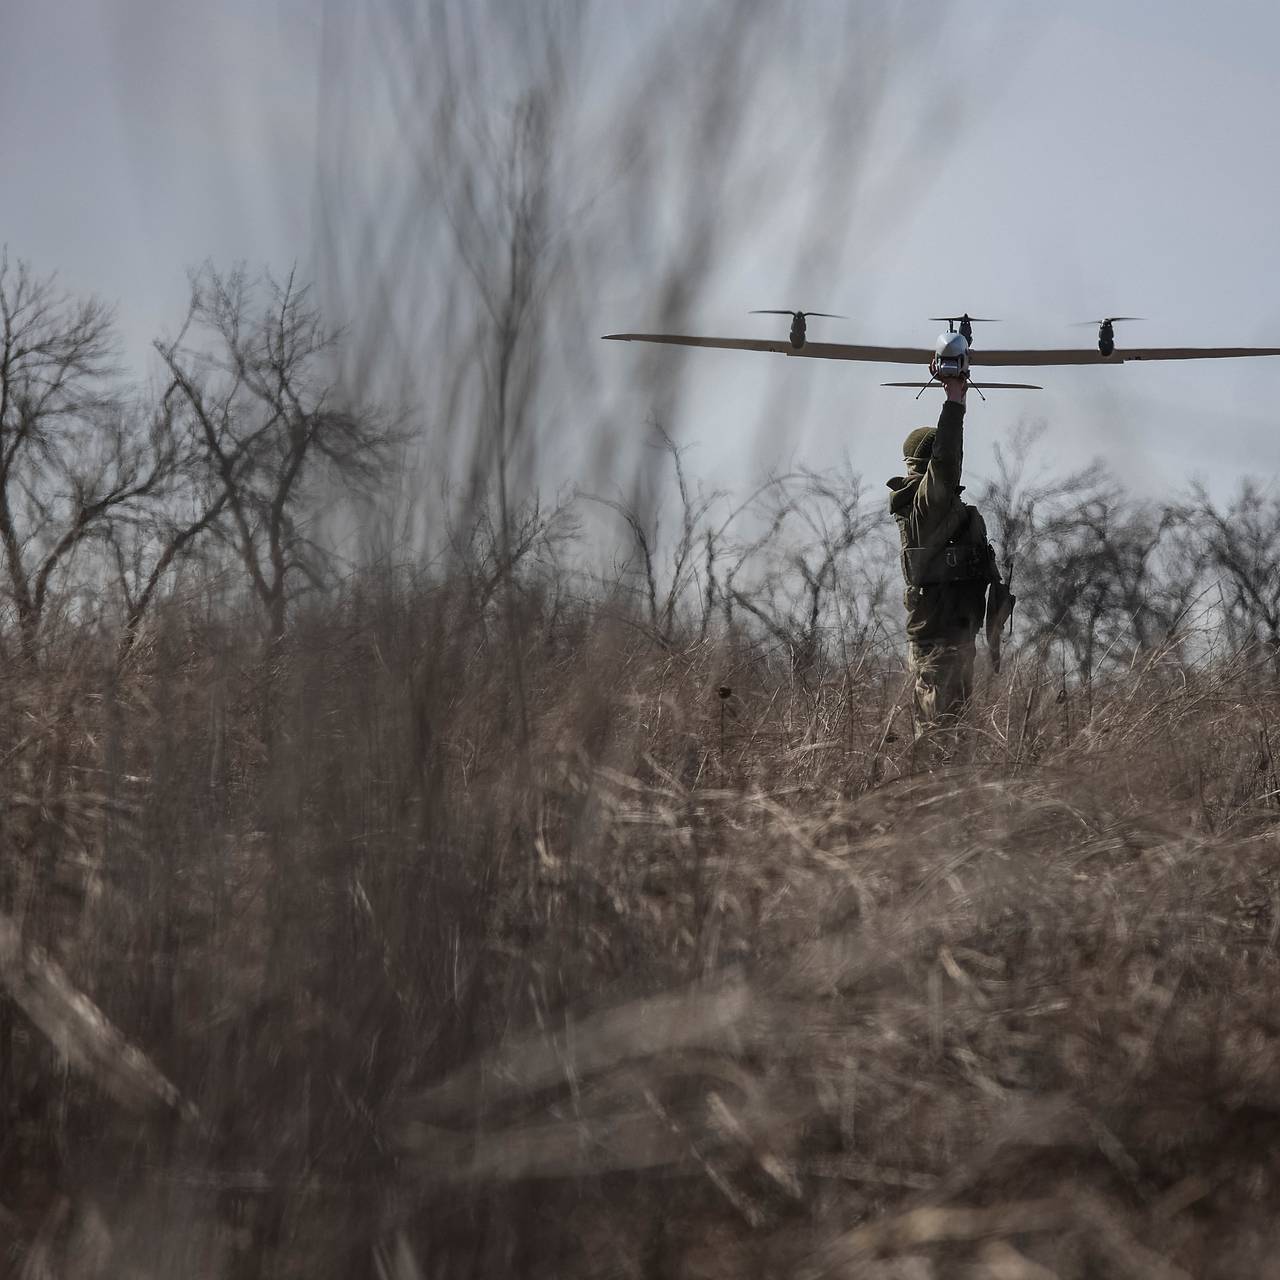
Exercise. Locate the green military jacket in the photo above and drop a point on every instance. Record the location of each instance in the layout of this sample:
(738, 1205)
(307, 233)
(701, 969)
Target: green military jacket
(947, 562)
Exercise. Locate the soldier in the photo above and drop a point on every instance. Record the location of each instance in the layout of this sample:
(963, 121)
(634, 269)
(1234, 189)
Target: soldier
(948, 566)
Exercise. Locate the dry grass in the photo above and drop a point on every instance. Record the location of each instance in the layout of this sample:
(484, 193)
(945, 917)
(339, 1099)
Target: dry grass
(395, 975)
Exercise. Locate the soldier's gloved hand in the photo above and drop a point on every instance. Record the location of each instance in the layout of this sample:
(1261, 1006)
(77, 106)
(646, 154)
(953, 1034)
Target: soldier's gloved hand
(954, 387)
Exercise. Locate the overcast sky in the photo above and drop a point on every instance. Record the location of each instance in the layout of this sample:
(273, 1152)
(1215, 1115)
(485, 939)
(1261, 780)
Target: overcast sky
(1083, 159)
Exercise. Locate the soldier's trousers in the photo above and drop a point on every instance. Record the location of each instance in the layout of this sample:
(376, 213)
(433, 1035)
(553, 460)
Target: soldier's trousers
(943, 683)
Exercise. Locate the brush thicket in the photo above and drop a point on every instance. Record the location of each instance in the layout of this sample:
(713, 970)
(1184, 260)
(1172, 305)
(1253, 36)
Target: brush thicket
(600, 972)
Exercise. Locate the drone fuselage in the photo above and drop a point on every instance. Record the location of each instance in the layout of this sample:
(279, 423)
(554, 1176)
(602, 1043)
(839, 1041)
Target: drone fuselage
(951, 355)
(1106, 338)
(797, 330)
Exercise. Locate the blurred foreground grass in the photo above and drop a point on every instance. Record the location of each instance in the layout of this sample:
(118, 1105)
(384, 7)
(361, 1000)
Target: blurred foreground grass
(395, 975)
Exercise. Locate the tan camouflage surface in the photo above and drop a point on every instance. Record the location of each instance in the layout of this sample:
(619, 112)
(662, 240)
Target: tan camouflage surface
(943, 684)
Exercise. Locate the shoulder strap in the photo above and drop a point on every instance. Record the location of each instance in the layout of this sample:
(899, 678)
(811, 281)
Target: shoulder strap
(937, 561)
(948, 529)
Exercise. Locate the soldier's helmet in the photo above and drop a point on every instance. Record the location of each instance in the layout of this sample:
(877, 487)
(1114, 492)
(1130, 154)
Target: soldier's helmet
(918, 446)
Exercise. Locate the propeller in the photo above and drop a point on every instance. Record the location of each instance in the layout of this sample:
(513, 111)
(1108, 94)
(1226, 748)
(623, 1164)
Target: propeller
(798, 319)
(1084, 324)
(830, 315)
(1106, 334)
(966, 323)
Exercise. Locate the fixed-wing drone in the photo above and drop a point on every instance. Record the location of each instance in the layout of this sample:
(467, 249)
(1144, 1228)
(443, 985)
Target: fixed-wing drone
(953, 354)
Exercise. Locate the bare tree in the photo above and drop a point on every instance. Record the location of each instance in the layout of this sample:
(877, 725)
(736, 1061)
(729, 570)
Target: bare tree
(1019, 506)
(1096, 583)
(666, 574)
(1104, 574)
(77, 456)
(263, 422)
(1240, 546)
(531, 552)
(821, 583)
(145, 550)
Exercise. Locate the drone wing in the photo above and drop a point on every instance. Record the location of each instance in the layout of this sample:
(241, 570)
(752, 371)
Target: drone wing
(922, 355)
(810, 350)
(1091, 355)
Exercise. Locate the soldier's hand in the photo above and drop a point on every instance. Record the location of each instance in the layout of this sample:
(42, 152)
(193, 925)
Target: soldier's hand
(955, 388)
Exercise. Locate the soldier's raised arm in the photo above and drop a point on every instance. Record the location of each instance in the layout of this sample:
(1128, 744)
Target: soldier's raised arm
(937, 491)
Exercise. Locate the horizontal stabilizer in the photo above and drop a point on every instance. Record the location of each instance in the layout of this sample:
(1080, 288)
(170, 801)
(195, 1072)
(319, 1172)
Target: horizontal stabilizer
(978, 386)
